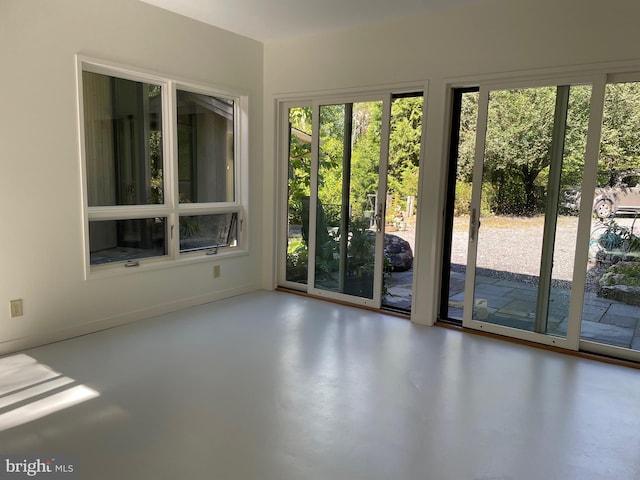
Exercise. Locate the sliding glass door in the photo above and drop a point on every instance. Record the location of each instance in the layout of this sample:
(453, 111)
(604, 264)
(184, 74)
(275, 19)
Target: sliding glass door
(337, 165)
(611, 310)
(346, 205)
(555, 181)
(531, 142)
(352, 185)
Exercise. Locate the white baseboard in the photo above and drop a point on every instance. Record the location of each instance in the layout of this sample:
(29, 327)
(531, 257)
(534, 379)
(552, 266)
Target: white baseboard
(31, 341)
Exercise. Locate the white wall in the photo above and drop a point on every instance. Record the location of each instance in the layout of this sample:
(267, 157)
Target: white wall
(41, 254)
(41, 259)
(493, 37)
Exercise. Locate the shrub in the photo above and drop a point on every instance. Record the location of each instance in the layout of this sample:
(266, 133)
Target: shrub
(622, 273)
(297, 261)
(463, 199)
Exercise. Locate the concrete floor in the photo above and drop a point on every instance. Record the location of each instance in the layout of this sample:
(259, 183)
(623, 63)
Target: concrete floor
(275, 386)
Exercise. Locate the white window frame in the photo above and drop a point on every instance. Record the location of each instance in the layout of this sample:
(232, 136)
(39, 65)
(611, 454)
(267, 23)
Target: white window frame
(171, 209)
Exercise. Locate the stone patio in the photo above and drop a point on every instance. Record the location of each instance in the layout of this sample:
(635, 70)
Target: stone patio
(513, 303)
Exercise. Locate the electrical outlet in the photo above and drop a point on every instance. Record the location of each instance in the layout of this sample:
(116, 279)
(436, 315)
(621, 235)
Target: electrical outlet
(216, 271)
(16, 308)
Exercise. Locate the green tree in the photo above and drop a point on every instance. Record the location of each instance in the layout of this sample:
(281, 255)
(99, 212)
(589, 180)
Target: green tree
(620, 144)
(467, 141)
(299, 161)
(404, 148)
(517, 153)
(517, 146)
(331, 158)
(365, 158)
(576, 136)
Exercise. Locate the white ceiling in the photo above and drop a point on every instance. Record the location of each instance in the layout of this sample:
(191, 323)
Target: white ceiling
(268, 20)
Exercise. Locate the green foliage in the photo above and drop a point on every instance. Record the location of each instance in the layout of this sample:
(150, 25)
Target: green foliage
(467, 142)
(619, 240)
(361, 247)
(155, 151)
(404, 146)
(327, 257)
(404, 156)
(518, 141)
(299, 161)
(297, 261)
(331, 154)
(575, 144)
(462, 205)
(517, 151)
(620, 145)
(622, 273)
(365, 157)
(517, 148)
(189, 227)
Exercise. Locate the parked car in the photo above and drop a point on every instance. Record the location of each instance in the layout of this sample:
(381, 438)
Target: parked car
(621, 194)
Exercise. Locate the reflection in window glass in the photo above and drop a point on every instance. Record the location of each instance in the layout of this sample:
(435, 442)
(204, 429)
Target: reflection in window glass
(123, 240)
(205, 148)
(136, 206)
(202, 232)
(122, 129)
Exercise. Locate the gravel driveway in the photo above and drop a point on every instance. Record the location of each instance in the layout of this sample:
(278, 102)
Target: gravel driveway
(513, 245)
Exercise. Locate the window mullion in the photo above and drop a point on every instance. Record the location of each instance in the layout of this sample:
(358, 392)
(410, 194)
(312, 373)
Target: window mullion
(171, 167)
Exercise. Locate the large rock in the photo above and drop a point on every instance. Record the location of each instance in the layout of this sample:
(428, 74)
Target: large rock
(398, 253)
(620, 282)
(621, 293)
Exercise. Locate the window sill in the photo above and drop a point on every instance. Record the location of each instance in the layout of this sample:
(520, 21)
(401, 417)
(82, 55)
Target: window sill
(116, 270)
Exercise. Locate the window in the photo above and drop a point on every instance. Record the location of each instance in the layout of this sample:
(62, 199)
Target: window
(205, 148)
(161, 166)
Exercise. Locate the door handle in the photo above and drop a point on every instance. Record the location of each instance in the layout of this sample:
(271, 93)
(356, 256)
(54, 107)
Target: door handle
(473, 229)
(378, 218)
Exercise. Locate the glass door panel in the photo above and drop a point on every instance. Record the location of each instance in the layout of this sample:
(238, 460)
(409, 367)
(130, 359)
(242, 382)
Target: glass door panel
(566, 235)
(459, 189)
(611, 310)
(401, 200)
(347, 218)
(521, 247)
(298, 182)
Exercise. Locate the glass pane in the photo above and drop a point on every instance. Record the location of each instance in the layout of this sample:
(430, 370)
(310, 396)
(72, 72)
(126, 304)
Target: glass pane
(611, 313)
(123, 141)
(462, 203)
(299, 183)
(349, 158)
(122, 240)
(518, 141)
(402, 192)
(205, 148)
(516, 184)
(575, 144)
(204, 232)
